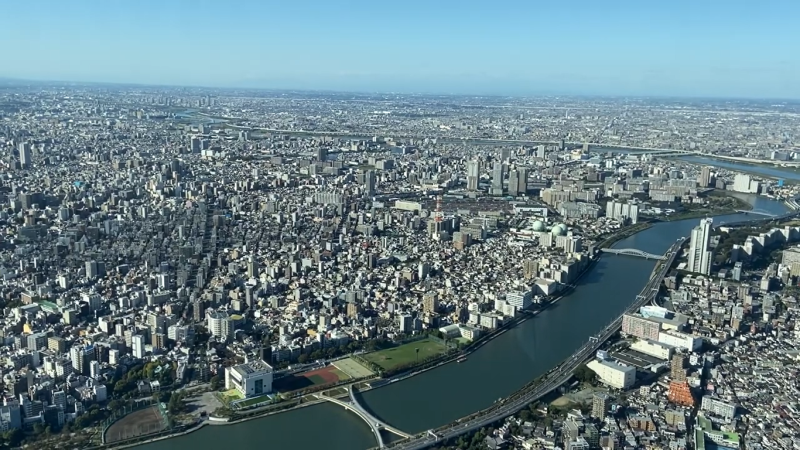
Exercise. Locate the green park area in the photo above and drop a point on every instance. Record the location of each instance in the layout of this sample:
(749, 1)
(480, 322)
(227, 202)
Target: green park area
(406, 355)
(227, 397)
(252, 401)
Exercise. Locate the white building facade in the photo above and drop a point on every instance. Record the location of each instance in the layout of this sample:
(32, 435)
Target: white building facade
(250, 379)
(613, 374)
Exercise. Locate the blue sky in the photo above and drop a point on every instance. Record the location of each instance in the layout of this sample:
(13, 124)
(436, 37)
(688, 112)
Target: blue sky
(715, 48)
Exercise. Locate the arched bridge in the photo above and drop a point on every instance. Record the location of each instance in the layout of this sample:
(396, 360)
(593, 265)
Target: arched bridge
(374, 424)
(632, 252)
(759, 212)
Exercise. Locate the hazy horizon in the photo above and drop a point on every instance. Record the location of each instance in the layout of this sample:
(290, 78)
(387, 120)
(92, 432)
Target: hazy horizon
(715, 49)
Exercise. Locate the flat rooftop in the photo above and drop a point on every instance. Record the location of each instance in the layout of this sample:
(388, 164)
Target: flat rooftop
(249, 368)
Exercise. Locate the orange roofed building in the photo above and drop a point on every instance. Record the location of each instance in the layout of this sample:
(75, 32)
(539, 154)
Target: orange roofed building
(679, 393)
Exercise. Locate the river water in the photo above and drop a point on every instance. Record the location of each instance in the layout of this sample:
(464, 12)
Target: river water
(496, 370)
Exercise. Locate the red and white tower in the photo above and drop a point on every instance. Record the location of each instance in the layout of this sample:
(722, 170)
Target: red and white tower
(439, 217)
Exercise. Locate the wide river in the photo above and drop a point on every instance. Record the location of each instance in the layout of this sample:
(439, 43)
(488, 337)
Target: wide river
(497, 369)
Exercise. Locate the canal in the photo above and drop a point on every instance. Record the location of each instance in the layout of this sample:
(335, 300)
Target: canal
(497, 369)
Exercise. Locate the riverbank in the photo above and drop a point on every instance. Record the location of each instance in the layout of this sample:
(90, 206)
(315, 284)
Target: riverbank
(363, 388)
(733, 206)
(516, 321)
(624, 233)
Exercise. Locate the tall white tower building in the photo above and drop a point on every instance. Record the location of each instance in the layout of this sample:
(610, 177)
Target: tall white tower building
(473, 175)
(699, 254)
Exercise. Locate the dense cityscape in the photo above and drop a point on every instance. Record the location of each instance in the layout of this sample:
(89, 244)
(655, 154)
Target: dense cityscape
(177, 259)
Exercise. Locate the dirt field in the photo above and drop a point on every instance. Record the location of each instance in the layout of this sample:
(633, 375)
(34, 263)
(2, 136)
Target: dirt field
(326, 375)
(319, 377)
(144, 421)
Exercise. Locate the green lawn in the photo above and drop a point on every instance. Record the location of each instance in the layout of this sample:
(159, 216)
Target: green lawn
(226, 397)
(253, 401)
(394, 357)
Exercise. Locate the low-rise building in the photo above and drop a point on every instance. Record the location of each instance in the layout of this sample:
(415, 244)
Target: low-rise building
(613, 374)
(249, 379)
(656, 349)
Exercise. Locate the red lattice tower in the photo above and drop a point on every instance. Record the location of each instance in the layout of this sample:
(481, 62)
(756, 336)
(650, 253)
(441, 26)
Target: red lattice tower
(439, 216)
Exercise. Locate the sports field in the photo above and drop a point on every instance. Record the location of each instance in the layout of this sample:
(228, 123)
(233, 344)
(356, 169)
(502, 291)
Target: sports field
(392, 358)
(326, 375)
(137, 423)
(319, 377)
(353, 368)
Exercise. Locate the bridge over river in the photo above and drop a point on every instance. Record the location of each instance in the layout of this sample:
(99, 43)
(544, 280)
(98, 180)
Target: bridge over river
(756, 212)
(632, 252)
(375, 424)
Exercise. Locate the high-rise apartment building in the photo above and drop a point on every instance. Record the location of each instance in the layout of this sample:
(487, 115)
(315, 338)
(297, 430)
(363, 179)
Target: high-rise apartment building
(513, 183)
(640, 327)
(137, 346)
(518, 181)
(25, 159)
(497, 178)
(743, 183)
(430, 302)
(622, 211)
(520, 300)
(220, 325)
(473, 175)
(677, 372)
(522, 174)
(699, 258)
(369, 183)
(704, 179)
(252, 267)
(530, 269)
(601, 402)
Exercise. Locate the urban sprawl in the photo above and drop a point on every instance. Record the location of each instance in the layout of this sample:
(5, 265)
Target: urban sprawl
(246, 252)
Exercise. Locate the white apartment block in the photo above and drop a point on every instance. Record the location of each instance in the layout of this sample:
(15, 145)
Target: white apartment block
(613, 374)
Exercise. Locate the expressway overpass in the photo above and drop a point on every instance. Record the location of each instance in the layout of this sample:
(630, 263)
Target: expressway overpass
(551, 381)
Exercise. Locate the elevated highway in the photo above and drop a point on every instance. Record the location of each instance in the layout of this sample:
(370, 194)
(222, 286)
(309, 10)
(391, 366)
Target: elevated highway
(632, 252)
(375, 424)
(549, 382)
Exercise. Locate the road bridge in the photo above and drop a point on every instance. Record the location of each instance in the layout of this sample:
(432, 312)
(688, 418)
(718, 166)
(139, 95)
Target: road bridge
(759, 212)
(546, 384)
(375, 424)
(633, 252)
